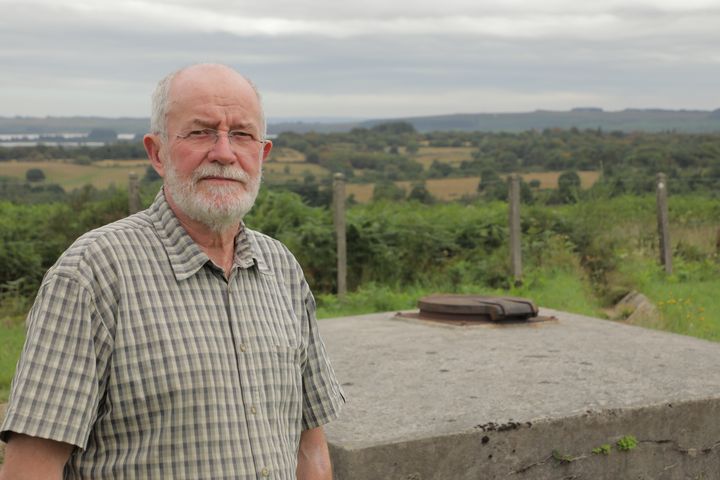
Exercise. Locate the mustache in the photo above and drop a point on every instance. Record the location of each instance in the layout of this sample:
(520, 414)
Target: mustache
(223, 171)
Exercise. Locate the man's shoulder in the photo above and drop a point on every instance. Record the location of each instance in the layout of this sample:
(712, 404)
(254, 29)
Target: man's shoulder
(265, 245)
(272, 251)
(103, 244)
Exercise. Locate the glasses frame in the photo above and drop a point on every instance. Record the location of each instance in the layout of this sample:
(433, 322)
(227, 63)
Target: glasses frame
(241, 135)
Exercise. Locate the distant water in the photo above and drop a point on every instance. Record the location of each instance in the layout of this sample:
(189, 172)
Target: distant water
(51, 144)
(34, 139)
(36, 136)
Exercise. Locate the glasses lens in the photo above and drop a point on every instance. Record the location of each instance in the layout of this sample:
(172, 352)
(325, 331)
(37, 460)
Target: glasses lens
(205, 140)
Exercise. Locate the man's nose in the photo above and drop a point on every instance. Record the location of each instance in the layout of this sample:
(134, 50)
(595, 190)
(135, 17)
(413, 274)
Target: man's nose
(222, 150)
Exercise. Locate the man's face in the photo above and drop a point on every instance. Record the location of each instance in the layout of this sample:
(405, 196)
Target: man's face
(212, 183)
(217, 196)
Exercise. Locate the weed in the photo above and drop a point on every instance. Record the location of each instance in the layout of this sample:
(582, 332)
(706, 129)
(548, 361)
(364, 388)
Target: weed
(603, 449)
(626, 443)
(563, 457)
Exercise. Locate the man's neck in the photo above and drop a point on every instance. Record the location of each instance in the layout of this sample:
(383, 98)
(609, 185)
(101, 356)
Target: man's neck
(219, 246)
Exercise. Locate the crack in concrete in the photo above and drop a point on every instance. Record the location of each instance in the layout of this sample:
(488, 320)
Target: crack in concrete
(692, 452)
(531, 466)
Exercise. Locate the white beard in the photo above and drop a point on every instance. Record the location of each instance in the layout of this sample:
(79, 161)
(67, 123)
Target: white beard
(219, 207)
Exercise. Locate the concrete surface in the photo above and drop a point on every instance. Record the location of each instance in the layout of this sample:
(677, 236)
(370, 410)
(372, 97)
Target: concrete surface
(428, 401)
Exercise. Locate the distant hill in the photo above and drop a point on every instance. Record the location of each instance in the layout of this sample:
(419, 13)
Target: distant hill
(648, 120)
(49, 125)
(651, 120)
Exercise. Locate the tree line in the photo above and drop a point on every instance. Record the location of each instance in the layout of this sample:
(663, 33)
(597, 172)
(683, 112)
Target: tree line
(388, 242)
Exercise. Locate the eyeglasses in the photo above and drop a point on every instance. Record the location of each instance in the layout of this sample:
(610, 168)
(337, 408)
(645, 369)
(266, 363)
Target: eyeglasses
(204, 139)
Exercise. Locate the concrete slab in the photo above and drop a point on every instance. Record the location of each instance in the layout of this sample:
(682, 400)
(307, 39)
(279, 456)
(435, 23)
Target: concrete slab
(429, 401)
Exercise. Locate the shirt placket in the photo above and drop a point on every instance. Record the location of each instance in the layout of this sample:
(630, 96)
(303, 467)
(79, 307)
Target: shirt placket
(247, 360)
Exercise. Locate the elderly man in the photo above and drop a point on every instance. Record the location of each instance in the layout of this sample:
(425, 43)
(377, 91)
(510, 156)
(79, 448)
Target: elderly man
(177, 343)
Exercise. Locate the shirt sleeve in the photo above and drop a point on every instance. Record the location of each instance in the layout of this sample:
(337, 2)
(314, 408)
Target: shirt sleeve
(61, 374)
(323, 397)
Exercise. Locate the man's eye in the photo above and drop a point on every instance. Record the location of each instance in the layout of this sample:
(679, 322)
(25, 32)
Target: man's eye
(200, 133)
(239, 135)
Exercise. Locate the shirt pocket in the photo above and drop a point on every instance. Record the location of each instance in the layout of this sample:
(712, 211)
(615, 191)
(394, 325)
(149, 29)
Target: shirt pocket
(284, 383)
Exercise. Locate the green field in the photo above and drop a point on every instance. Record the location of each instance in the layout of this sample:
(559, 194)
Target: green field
(450, 189)
(71, 176)
(285, 165)
(12, 336)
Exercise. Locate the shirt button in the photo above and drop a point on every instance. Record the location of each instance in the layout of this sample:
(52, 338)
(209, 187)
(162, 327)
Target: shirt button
(242, 347)
(265, 472)
(253, 409)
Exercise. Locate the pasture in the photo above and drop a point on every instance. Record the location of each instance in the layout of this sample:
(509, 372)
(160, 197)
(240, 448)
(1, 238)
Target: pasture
(71, 175)
(452, 155)
(283, 165)
(449, 189)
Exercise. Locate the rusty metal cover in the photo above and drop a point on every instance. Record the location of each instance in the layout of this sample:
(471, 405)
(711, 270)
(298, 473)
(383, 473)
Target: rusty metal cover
(467, 307)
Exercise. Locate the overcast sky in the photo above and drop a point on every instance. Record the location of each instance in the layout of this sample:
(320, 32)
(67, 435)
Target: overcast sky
(365, 59)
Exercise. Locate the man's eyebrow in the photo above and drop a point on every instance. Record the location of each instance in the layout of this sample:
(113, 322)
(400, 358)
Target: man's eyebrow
(202, 123)
(242, 126)
(245, 126)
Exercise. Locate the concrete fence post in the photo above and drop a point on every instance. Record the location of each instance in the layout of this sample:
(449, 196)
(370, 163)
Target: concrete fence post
(340, 232)
(133, 193)
(514, 221)
(663, 223)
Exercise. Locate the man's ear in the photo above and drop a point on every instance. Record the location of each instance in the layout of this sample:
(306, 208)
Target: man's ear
(266, 149)
(153, 144)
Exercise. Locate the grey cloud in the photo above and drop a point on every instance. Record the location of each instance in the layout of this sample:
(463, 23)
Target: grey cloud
(401, 58)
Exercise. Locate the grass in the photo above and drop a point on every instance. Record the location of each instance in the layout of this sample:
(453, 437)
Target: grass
(687, 300)
(452, 155)
(292, 170)
(286, 155)
(70, 175)
(103, 173)
(449, 189)
(12, 337)
(558, 290)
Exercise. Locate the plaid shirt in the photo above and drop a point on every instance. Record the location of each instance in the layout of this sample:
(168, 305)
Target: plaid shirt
(141, 353)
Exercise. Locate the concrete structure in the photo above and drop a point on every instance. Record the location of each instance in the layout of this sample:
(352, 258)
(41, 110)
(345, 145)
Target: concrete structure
(428, 401)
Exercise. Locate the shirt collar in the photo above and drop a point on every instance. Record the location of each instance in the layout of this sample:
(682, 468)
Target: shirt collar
(185, 256)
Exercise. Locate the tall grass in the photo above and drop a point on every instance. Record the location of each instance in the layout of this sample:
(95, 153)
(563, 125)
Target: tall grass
(12, 338)
(687, 301)
(557, 289)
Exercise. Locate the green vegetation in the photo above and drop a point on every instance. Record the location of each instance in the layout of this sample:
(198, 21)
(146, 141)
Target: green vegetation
(583, 248)
(603, 449)
(627, 162)
(11, 343)
(626, 443)
(565, 458)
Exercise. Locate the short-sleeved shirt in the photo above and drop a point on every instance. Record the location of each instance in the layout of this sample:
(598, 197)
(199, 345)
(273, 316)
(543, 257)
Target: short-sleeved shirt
(142, 353)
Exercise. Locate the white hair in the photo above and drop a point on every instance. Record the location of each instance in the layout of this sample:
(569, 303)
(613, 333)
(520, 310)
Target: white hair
(161, 97)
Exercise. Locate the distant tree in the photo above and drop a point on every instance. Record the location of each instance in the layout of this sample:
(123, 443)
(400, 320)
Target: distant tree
(568, 187)
(439, 169)
(420, 193)
(106, 135)
(386, 190)
(312, 156)
(534, 183)
(526, 193)
(150, 175)
(491, 186)
(394, 128)
(82, 160)
(308, 177)
(34, 175)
